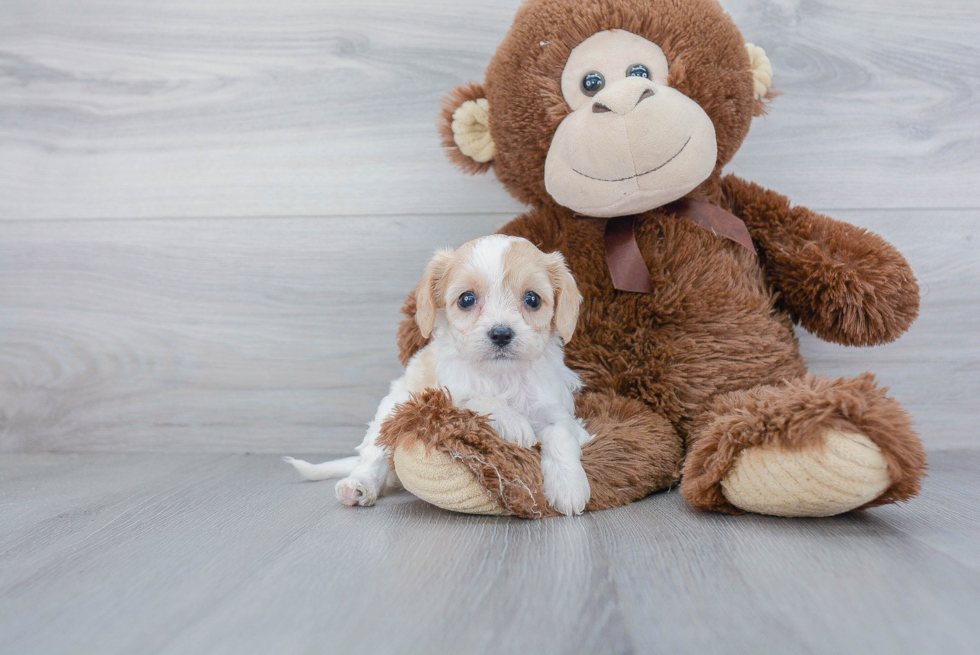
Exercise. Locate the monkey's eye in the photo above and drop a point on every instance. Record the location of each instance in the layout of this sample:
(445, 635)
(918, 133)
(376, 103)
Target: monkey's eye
(532, 300)
(638, 70)
(466, 300)
(592, 83)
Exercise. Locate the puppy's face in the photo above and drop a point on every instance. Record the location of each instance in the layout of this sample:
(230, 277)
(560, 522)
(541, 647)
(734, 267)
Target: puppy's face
(500, 299)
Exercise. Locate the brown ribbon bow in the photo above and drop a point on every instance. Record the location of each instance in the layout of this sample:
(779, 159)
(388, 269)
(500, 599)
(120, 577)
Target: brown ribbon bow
(629, 271)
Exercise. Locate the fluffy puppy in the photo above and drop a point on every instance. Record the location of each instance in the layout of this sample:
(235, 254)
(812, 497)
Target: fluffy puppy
(499, 311)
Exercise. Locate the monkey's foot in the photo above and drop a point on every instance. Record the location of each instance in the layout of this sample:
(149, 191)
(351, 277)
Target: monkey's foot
(807, 447)
(451, 457)
(437, 478)
(846, 471)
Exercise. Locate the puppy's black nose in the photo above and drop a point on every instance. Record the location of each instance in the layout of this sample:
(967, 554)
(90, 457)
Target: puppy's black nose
(501, 335)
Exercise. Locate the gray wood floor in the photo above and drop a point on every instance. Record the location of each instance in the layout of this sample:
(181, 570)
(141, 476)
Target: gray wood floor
(153, 553)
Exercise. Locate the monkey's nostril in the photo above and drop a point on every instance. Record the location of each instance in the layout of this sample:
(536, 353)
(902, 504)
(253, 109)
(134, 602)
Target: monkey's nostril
(501, 335)
(647, 93)
(599, 108)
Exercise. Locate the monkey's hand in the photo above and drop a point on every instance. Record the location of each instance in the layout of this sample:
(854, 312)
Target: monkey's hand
(841, 282)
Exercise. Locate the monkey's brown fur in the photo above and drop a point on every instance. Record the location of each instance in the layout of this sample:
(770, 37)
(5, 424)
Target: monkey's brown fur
(707, 363)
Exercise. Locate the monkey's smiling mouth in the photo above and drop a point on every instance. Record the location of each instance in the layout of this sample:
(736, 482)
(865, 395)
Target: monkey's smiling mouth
(631, 177)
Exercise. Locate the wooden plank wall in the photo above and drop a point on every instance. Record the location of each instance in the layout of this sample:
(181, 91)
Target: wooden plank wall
(210, 211)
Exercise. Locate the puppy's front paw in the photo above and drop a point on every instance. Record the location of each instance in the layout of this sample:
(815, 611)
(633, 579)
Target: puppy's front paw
(353, 491)
(513, 427)
(566, 487)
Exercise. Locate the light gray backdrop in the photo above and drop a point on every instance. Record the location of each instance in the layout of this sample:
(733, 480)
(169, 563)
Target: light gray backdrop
(210, 211)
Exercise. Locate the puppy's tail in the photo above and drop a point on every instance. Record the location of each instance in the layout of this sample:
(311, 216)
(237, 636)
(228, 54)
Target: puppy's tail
(337, 468)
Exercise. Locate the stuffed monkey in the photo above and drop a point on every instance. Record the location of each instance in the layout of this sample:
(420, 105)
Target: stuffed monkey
(612, 121)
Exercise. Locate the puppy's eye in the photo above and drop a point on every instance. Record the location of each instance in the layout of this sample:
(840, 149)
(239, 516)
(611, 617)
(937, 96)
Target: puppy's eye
(592, 83)
(466, 300)
(638, 70)
(532, 300)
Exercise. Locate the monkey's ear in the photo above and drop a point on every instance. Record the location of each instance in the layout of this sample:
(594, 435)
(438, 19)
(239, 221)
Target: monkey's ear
(426, 293)
(465, 128)
(761, 69)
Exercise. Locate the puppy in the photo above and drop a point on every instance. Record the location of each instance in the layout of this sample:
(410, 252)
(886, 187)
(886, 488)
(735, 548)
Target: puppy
(499, 311)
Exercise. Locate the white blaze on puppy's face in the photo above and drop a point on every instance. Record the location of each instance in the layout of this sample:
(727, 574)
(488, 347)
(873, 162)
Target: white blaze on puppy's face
(515, 299)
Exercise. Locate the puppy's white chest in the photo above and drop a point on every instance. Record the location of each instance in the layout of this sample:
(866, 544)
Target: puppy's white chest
(517, 389)
(522, 391)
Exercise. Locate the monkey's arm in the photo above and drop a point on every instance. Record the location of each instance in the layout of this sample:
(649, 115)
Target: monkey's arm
(840, 282)
(530, 226)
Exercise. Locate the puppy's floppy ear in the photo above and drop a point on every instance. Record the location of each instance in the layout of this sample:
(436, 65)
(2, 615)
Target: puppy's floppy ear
(567, 297)
(426, 295)
(465, 128)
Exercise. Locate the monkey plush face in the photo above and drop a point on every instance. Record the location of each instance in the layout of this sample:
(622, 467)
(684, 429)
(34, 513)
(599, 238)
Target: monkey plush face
(631, 142)
(609, 108)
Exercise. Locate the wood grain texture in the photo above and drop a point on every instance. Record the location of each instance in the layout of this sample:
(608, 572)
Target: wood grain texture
(277, 335)
(234, 335)
(261, 184)
(133, 108)
(115, 553)
(210, 212)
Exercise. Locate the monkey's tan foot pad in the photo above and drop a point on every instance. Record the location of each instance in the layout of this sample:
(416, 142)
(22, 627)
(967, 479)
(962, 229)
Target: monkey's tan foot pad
(437, 478)
(845, 472)
(452, 458)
